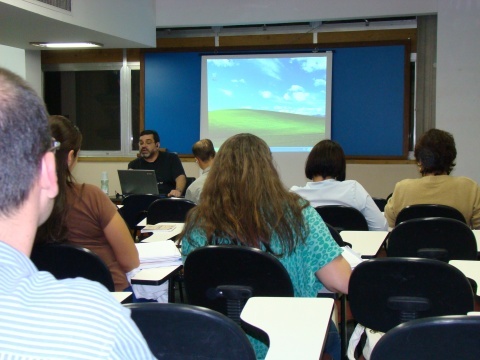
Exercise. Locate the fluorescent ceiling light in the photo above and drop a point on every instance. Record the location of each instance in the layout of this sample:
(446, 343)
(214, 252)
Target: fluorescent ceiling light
(77, 45)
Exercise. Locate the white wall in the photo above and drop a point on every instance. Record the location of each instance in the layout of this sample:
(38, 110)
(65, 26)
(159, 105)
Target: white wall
(378, 180)
(458, 80)
(13, 59)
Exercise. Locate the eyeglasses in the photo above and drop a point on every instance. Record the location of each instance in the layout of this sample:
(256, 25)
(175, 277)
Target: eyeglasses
(54, 145)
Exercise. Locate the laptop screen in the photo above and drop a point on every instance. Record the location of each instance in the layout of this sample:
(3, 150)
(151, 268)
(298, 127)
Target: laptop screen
(138, 182)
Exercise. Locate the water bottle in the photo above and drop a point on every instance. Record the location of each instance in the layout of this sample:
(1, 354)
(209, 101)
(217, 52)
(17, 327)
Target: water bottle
(104, 182)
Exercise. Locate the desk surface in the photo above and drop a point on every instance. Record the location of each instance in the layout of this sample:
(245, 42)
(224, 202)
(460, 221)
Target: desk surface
(366, 243)
(122, 296)
(296, 327)
(165, 235)
(471, 269)
(155, 276)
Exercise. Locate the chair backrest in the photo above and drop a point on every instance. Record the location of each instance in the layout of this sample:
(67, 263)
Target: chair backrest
(342, 217)
(440, 238)
(224, 277)
(184, 332)
(428, 210)
(190, 180)
(169, 210)
(336, 236)
(380, 202)
(385, 292)
(439, 338)
(68, 261)
(135, 208)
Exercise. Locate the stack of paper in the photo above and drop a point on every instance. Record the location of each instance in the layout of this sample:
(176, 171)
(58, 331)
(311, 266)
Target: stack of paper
(351, 256)
(170, 230)
(158, 254)
(160, 227)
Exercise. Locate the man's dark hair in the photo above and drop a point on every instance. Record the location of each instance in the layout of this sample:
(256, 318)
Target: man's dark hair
(24, 139)
(156, 138)
(203, 149)
(326, 159)
(435, 152)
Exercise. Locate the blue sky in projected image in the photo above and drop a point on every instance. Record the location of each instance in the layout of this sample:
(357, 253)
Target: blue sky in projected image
(294, 85)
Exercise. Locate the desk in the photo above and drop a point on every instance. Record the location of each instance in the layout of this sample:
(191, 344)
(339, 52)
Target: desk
(296, 327)
(122, 296)
(157, 276)
(471, 269)
(366, 243)
(164, 235)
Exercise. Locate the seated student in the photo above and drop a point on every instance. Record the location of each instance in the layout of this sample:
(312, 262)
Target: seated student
(435, 153)
(171, 179)
(42, 317)
(84, 215)
(204, 153)
(245, 203)
(326, 167)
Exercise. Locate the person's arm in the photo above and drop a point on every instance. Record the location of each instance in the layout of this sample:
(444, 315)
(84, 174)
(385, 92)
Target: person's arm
(375, 219)
(476, 210)
(389, 211)
(180, 184)
(335, 275)
(120, 239)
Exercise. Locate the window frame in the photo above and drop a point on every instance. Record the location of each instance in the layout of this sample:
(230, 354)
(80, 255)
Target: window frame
(126, 130)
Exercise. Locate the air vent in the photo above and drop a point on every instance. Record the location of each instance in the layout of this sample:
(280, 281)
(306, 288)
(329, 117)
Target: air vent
(61, 4)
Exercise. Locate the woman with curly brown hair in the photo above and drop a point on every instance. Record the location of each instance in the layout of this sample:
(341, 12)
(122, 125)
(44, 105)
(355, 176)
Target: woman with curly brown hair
(435, 153)
(244, 203)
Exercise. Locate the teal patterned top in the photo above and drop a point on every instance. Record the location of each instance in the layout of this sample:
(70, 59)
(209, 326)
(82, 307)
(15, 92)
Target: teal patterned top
(318, 250)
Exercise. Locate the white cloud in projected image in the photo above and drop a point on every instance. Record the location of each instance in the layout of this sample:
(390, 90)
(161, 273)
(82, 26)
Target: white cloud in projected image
(294, 85)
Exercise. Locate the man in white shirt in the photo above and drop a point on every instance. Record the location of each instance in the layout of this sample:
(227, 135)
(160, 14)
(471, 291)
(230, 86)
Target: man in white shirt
(41, 317)
(204, 153)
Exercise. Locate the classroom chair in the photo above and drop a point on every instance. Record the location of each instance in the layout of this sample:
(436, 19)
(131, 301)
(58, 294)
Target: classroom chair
(439, 338)
(186, 332)
(342, 217)
(428, 210)
(67, 261)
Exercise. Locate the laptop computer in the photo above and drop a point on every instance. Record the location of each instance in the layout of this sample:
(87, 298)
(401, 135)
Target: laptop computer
(138, 182)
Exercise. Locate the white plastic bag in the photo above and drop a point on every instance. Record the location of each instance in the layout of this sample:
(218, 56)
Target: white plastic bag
(372, 339)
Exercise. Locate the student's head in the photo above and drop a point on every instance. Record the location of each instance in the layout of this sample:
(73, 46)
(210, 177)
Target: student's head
(243, 198)
(435, 152)
(24, 140)
(245, 159)
(63, 130)
(326, 159)
(203, 150)
(71, 140)
(149, 143)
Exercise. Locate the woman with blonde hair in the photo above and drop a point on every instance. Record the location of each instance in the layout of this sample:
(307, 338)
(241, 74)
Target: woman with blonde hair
(83, 215)
(245, 203)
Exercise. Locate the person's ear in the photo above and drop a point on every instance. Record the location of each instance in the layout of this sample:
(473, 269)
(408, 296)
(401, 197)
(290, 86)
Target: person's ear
(70, 158)
(157, 144)
(48, 175)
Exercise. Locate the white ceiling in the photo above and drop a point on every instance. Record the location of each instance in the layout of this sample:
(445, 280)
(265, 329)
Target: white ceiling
(19, 27)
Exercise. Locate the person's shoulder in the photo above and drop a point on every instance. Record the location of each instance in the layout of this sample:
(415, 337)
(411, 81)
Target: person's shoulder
(407, 182)
(168, 155)
(135, 163)
(77, 290)
(464, 180)
(92, 190)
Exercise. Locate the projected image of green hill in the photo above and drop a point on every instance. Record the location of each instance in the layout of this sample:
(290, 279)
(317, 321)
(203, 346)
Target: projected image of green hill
(282, 129)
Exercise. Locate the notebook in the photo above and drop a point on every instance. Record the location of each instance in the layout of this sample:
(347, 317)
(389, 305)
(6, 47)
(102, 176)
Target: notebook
(138, 182)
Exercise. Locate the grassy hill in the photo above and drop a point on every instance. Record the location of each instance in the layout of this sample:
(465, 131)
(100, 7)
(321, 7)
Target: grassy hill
(283, 128)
